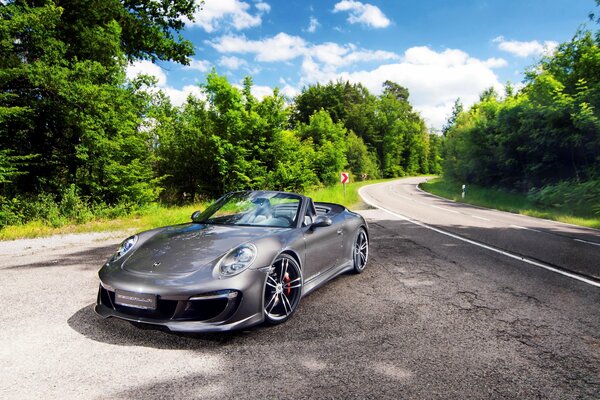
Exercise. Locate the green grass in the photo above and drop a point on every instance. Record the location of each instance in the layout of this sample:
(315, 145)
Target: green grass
(156, 215)
(501, 200)
(147, 218)
(335, 194)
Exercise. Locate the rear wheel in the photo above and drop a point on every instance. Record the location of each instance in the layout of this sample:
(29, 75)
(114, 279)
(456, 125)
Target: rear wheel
(283, 289)
(360, 252)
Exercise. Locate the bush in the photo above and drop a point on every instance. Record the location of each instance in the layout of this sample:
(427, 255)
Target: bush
(580, 198)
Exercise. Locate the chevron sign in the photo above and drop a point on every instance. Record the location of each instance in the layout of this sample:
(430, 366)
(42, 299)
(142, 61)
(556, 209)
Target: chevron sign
(345, 177)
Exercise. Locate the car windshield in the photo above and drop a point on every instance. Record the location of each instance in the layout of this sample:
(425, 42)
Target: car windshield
(253, 209)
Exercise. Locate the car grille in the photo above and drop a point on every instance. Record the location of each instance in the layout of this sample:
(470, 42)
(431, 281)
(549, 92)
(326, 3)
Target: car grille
(199, 309)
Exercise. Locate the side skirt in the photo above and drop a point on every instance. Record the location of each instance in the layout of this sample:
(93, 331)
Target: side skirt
(319, 280)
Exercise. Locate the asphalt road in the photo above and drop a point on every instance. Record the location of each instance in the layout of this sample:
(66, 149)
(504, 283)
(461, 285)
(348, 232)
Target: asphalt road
(568, 247)
(432, 317)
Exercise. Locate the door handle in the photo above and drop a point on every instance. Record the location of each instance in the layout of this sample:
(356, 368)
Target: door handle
(340, 231)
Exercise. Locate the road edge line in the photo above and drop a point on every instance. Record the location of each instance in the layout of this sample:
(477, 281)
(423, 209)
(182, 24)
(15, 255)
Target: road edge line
(504, 211)
(485, 246)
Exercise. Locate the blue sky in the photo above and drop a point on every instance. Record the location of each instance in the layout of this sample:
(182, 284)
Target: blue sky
(440, 50)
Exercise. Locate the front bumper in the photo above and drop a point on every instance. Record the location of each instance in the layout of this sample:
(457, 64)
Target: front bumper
(218, 305)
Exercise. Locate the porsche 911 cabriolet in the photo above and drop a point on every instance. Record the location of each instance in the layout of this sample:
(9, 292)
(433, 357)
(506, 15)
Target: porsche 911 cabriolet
(247, 259)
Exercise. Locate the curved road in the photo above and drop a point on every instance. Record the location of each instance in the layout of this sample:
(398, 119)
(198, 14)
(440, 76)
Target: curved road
(431, 317)
(572, 249)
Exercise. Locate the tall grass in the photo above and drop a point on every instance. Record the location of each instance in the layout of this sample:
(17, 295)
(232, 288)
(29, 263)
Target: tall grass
(512, 202)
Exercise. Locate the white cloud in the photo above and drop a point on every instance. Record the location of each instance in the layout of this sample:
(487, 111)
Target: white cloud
(495, 62)
(216, 14)
(198, 65)
(434, 79)
(526, 49)
(177, 96)
(262, 6)
(146, 67)
(284, 47)
(261, 92)
(362, 13)
(289, 91)
(313, 24)
(281, 47)
(232, 62)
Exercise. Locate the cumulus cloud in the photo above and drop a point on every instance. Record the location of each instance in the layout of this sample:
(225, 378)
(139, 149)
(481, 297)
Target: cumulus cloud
(362, 13)
(280, 47)
(216, 14)
(526, 49)
(434, 79)
(232, 62)
(284, 47)
(177, 96)
(198, 65)
(146, 67)
(262, 6)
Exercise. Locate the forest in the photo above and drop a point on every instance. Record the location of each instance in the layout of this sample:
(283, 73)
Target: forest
(542, 140)
(80, 140)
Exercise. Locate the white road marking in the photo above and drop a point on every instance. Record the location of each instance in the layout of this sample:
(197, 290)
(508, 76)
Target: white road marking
(445, 209)
(525, 228)
(485, 246)
(587, 242)
(481, 218)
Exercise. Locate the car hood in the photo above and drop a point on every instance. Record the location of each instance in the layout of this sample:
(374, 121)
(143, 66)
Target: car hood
(188, 248)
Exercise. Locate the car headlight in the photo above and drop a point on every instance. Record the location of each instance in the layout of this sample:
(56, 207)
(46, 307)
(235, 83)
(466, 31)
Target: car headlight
(237, 260)
(125, 247)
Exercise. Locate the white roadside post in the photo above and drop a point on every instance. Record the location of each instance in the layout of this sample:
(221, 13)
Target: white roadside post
(345, 178)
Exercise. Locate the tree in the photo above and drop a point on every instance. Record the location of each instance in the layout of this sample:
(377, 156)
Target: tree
(64, 96)
(329, 143)
(457, 108)
(361, 162)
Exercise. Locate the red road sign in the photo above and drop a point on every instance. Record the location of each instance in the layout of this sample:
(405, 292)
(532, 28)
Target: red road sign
(345, 177)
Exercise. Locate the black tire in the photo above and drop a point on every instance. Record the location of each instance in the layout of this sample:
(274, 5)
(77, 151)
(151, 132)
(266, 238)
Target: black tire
(360, 251)
(283, 289)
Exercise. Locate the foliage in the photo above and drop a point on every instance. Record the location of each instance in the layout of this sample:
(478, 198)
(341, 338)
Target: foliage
(79, 140)
(550, 203)
(546, 134)
(65, 105)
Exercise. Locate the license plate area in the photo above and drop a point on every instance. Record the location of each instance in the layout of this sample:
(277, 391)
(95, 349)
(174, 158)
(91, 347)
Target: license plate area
(142, 301)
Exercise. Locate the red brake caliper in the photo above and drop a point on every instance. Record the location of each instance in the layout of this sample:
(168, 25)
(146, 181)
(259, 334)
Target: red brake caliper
(286, 279)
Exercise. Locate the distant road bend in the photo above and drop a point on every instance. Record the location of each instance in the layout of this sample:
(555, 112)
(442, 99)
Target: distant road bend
(570, 250)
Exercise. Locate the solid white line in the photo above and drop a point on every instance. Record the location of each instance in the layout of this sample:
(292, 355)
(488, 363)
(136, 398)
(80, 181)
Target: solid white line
(525, 228)
(445, 209)
(585, 241)
(481, 218)
(504, 253)
(500, 211)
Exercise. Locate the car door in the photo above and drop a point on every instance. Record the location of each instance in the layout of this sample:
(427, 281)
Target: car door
(324, 247)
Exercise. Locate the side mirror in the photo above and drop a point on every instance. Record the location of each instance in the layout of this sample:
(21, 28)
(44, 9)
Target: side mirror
(321, 221)
(195, 215)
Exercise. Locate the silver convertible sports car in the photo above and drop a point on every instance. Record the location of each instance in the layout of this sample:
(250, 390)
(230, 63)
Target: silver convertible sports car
(248, 258)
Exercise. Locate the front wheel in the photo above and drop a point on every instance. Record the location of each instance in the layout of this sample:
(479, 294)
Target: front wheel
(360, 252)
(283, 289)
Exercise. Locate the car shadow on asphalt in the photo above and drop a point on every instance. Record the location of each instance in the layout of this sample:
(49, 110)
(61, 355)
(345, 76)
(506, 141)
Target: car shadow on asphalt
(125, 333)
(90, 258)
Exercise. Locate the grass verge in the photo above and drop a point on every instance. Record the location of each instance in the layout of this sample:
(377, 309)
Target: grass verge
(147, 218)
(157, 215)
(511, 202)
